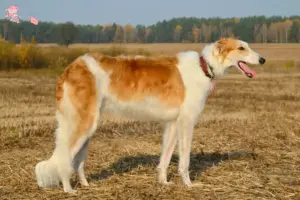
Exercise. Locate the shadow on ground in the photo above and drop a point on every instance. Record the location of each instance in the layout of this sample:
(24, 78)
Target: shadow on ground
(199, 163)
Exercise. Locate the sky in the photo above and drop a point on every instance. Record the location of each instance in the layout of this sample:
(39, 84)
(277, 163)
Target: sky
(145, 12)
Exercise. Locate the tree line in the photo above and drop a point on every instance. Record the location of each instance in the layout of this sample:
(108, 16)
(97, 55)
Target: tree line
(254, 29)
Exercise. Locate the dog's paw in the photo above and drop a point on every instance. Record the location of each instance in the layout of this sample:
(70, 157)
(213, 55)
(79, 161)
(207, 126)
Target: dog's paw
(70, 191)
(84, 183)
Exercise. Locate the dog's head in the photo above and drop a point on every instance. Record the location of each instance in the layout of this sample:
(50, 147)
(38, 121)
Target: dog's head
(229, 52)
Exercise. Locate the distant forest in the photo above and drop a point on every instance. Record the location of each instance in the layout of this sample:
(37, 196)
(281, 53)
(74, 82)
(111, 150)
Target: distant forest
(254, 29)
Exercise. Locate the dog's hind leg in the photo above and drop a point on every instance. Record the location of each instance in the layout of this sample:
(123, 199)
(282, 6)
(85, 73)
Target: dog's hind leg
(85, 124)
(59, 167)
(80, 143)
(78, 102)
(89, 112)
(169, 143)
(78, 163)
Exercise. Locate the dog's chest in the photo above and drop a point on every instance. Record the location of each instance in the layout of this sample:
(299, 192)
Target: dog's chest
(198, 87)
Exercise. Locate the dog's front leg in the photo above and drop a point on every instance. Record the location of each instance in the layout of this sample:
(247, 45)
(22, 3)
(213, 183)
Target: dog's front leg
(169, 143)
(185, 135)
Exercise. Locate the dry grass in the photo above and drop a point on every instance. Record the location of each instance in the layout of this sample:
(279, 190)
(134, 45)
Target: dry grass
(246, 144)
(29, 55)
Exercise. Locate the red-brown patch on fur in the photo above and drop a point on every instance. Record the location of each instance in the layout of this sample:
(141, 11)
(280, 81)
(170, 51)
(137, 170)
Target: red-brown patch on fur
(225, 46)
(83, 95)
(136, 78)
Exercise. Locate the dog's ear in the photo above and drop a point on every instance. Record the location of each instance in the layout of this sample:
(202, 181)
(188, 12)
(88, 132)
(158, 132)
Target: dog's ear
(221, 45)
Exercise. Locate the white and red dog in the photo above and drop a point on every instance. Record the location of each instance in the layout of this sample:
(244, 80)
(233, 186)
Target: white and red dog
(172, 90)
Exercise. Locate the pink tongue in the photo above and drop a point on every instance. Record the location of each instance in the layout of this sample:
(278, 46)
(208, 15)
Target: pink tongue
(246, 69)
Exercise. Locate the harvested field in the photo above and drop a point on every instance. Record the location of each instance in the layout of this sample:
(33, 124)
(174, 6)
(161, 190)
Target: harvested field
(246, 144)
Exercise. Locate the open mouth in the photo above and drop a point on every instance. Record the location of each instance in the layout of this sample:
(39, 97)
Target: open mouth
(245, 69)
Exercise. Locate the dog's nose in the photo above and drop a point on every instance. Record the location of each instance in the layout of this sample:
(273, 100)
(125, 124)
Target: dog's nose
(262, 60)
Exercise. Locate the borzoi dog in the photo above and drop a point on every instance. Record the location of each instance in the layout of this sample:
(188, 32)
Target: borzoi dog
(167, 89)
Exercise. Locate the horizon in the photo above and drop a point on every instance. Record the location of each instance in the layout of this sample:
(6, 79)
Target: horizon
(90, 12)
(40, 21)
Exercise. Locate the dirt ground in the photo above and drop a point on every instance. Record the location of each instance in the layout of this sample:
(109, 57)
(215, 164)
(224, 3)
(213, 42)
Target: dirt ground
(246, 144)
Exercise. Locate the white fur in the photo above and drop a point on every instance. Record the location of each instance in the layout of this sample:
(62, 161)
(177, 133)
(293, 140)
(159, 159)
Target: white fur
(253, 57)
(79, 154)
(197, 87)
(102, 77)
(179, 122)
(59, 166)
(209, 53)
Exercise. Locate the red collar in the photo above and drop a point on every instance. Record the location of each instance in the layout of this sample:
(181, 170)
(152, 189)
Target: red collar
(204, 68)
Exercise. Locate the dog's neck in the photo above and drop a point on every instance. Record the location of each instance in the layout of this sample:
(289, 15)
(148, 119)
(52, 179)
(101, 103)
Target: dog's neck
(206, 68)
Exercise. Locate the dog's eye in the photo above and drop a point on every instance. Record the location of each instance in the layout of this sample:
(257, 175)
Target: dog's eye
(241, 48)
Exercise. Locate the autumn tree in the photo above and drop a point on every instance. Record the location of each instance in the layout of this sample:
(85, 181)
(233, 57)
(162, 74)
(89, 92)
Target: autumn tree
(186, 29)
(196, 33)
(236, 20)
(177, 33)
(148, 31)
(286, 25)
(133, 35)
(264, 33)
(222, 29)
(280, 30)
(119, 34)
(273, 32)
(128, 31)
(206, 32)
(100, 35)
(256, 33)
